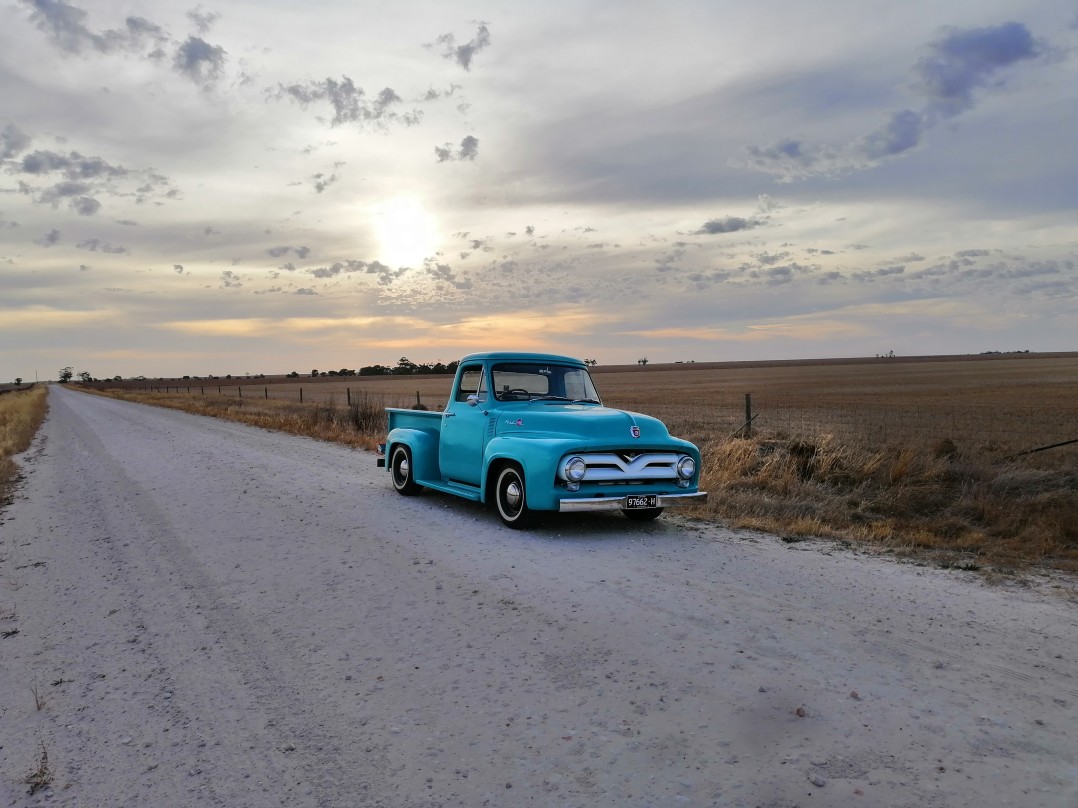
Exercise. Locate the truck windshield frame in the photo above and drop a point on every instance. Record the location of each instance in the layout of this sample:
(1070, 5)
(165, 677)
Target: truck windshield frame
(542, 381)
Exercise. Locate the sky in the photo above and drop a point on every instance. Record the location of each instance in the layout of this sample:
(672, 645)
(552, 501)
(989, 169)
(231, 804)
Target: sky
(264, 187)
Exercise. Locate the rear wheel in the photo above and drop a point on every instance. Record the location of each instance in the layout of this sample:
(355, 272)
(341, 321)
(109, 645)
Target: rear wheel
(642, 514)
(401, 466)
(511, 498)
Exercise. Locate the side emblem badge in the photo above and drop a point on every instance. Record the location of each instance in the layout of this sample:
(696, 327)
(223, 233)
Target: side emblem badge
(634, 431)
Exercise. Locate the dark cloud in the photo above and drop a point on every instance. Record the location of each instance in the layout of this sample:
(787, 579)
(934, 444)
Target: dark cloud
(85, 205)
(230, 280)
(321, 181)
(66, 26)
(283, 250)
(202, 21)
(49, 239)
(469, 150)
(729, 224)
(177, 268)
(200, 61)
(957, 65)
(13, 141)
(350, 103)
(74, 166)
(97, 245)
(966, 60)
(902, 133)
(463, 54)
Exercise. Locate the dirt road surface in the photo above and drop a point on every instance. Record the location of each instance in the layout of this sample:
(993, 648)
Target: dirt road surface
(199, 613)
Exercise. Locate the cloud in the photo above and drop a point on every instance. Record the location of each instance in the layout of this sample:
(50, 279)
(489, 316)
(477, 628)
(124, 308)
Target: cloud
(463, 54)
(321, 181)
(66, 26)
(469, 150)
(200, 61)
(230, 280)
(350, 103)
(947, 77)
(13, 141)
(900, 134)
(728, 224)
(177, 268)
(202, 21)
(966, 60)
(97, 245)
(85, 205)
(279, 252)
(49, 239)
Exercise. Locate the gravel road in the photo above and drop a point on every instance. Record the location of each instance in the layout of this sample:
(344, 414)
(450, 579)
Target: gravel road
(215, 615)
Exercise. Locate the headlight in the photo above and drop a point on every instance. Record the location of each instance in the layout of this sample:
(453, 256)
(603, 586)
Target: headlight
(686, 467)
(574, 469)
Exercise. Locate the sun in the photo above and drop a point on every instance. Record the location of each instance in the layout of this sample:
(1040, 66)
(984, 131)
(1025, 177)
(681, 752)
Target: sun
(406, 232)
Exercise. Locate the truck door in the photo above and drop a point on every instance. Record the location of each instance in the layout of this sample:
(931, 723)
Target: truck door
(464, 427)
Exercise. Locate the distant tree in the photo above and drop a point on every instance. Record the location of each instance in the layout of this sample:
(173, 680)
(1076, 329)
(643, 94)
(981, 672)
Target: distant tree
(293, 375)
(85, 376)
(591, 362)
(314, 374)
(18, 380)
(66, 374)
(642, 360)
(405, 366)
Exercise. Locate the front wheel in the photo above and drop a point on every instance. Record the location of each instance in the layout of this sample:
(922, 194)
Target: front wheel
(642, 514)
(511, 499)
(401, 465)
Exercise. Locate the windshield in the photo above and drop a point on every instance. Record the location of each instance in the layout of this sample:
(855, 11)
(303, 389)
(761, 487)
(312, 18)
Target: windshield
(519, 381)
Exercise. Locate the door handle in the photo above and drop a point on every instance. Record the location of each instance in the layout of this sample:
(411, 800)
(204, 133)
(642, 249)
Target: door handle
(450, 414)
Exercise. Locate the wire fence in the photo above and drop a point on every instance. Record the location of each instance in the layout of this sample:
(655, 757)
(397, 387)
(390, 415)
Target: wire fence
(978, 428)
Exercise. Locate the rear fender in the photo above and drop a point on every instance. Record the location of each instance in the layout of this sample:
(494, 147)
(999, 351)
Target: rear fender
(424, 449)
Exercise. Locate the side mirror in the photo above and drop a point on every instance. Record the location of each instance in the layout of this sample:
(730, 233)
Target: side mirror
(473, 400)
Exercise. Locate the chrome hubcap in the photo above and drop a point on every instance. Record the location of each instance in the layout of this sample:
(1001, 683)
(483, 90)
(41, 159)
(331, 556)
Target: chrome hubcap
(512, 495)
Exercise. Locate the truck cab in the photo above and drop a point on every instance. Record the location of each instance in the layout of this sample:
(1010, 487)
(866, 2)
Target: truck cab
(528, 432)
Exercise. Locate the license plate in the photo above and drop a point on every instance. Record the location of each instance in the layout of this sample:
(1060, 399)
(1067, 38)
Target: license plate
(647, 501)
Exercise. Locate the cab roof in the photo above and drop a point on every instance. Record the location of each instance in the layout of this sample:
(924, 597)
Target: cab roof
(518, 356)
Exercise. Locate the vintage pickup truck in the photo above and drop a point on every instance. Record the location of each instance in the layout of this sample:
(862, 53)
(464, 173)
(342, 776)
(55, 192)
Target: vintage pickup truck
(527, 432)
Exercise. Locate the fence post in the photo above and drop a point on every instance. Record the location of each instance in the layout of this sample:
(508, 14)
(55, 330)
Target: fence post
(301, 395)
(748, 415)
(239, 391)
(418, 403)
(348, 391)
(267, 392)
(202, 390)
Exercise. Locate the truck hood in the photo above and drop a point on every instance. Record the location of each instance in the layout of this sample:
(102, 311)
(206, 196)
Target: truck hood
(600, 426)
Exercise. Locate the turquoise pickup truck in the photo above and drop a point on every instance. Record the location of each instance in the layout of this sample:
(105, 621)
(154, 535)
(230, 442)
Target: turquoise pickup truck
(527, 432)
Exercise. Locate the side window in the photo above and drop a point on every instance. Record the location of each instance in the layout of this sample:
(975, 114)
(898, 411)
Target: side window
(472, 380)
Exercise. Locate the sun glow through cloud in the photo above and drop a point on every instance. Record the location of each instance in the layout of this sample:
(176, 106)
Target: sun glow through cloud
(407, 233)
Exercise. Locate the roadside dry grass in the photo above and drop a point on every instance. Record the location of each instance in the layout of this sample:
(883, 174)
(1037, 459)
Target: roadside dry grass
(910, 458)
(21, 412)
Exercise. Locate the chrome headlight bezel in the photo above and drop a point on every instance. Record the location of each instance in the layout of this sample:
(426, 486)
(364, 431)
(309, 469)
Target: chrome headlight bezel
(574, 469)
(686, 467)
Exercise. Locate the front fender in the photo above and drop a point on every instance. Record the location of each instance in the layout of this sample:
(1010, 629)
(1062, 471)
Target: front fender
(538, 457)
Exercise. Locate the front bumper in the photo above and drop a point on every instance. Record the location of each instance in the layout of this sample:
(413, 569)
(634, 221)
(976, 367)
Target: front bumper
(619, 503)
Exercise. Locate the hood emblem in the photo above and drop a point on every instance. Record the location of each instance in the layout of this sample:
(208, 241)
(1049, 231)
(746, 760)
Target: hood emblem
(634, 430)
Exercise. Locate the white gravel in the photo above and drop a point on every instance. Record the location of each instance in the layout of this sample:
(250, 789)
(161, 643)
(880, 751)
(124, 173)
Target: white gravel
(216, 615)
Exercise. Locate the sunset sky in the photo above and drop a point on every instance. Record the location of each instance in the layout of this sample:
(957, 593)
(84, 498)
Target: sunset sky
(261, 187)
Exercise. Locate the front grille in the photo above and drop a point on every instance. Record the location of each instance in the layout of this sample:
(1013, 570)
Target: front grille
(630, 466)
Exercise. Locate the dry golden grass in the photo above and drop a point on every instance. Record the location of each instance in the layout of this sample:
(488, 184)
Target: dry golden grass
(21, 413)
(914, 457)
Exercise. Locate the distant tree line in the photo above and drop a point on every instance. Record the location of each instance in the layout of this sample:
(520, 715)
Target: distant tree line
(404, 367)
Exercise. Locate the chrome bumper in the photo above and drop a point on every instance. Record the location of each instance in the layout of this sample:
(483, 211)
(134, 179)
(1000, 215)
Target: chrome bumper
(618, 503)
